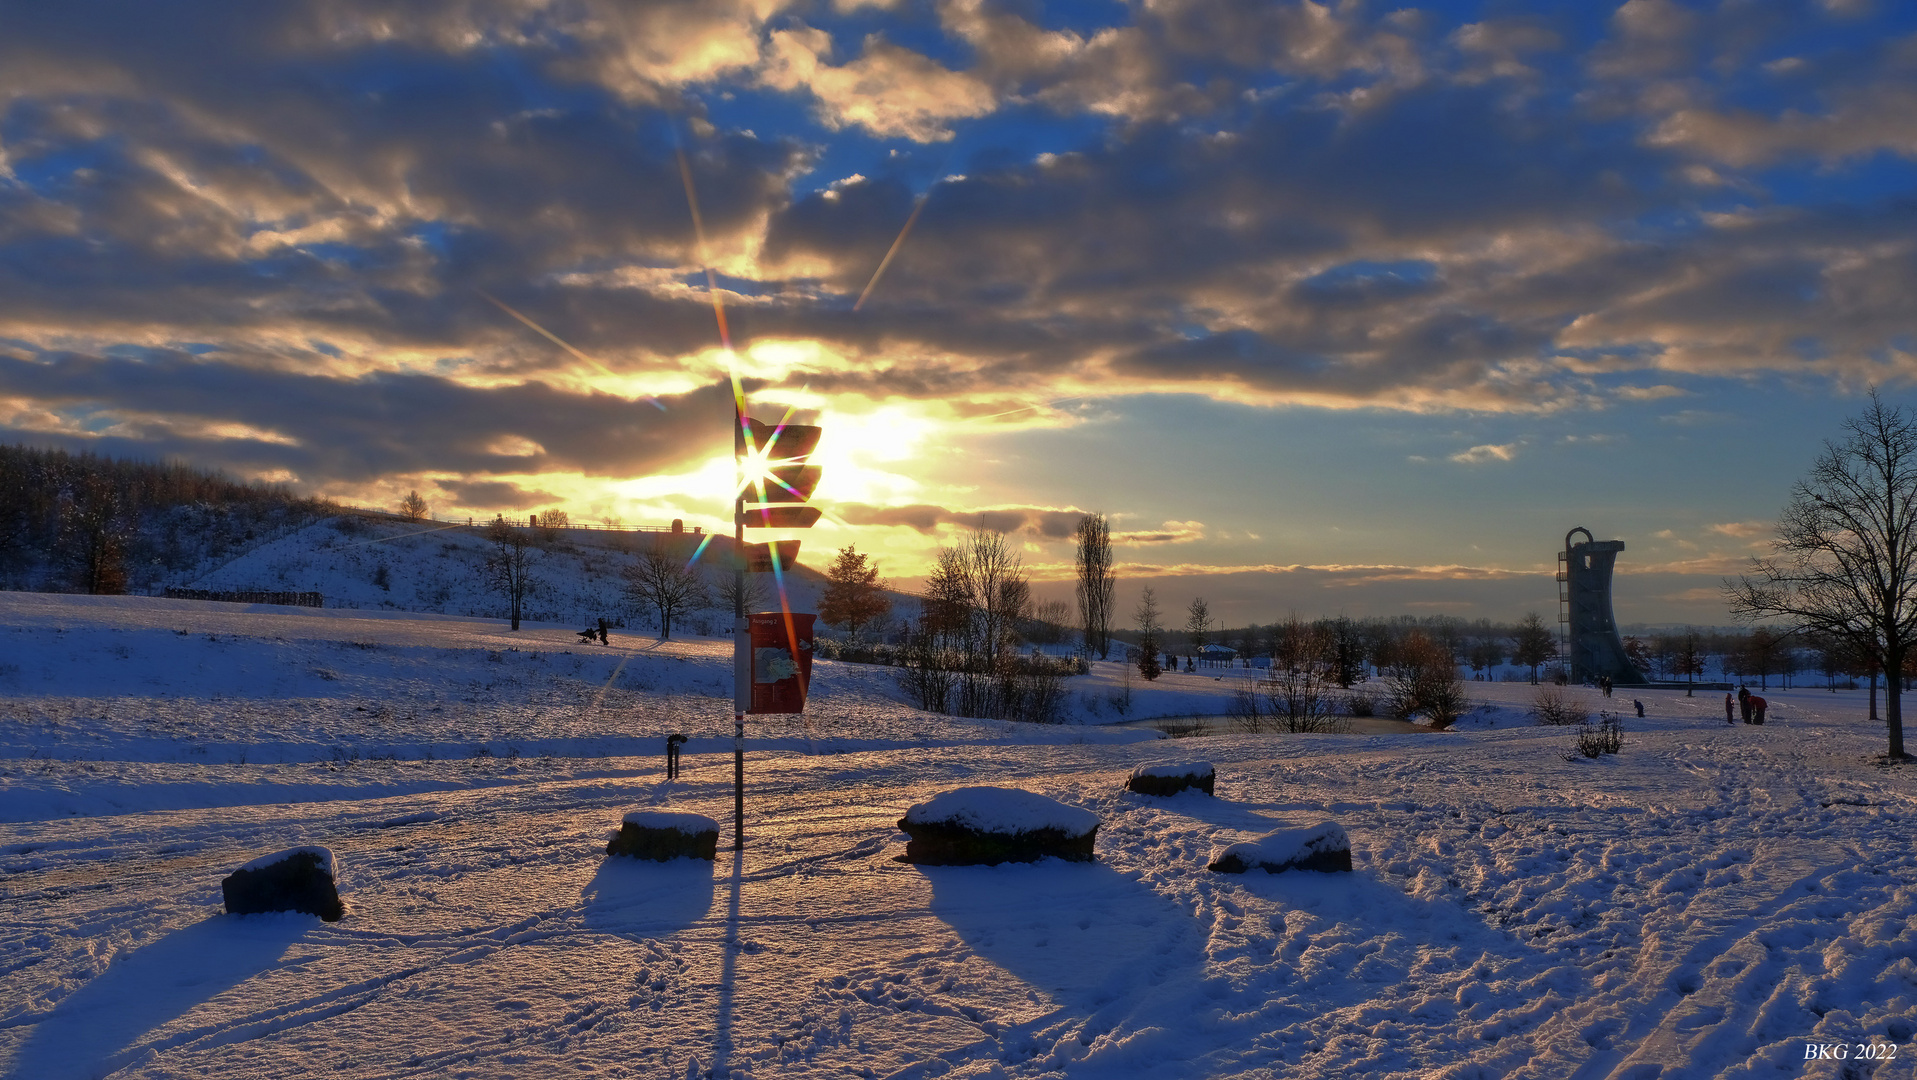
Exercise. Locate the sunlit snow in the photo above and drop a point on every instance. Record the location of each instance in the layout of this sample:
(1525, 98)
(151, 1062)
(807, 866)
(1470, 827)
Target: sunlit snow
(1706, 902)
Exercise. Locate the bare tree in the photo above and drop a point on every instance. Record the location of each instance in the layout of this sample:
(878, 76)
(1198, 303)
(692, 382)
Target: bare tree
(1198, 625)
(663, 579)
(1423, 678)
(95, 532)
(723, 587)
(1688, 661)
(961, 655)
(1303, 671)
(1096, 584)
(1146, 616)
(1533, 644)
(413, 507)
(1845, 556)
(509, 567)
(1048, 622)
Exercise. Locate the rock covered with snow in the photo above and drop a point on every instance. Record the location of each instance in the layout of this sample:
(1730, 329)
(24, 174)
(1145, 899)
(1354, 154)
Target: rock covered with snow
(990, 825)
(1172, 778)
(297, 879)
(663, 835)
(1323, 846)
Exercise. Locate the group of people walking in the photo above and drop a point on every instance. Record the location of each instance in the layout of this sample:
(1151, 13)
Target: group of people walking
(1750, 705)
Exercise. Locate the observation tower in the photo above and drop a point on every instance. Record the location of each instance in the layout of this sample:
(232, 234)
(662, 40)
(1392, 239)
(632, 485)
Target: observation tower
(1591, 646)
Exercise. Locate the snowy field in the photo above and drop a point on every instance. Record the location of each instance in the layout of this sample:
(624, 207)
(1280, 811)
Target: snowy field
(1705, 903)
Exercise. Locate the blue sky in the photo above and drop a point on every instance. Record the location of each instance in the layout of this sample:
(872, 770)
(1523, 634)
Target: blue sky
(1330, 307)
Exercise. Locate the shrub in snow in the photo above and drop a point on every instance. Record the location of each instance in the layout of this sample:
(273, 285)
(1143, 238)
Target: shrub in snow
(297, 879)
(663, 835)
(1320, 847)
(1553, 707)
(990, 825)
(1172, 779)
(1604, 737)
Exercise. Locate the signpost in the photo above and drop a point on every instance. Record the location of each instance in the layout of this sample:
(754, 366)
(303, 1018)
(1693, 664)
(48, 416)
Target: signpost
(771, 650)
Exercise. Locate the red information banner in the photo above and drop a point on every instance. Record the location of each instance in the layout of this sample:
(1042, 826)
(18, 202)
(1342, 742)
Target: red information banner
(781, 660)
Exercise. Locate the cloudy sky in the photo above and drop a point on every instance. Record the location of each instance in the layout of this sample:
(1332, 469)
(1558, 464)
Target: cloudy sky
(1329, 307)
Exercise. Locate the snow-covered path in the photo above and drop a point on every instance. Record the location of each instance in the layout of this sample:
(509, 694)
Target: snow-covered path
(1702, 904)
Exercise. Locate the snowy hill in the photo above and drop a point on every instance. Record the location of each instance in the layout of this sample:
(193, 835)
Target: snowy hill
(363, 562)
(1707, 902)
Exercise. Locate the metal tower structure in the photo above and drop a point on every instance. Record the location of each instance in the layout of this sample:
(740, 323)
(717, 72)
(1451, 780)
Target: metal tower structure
(1588, 631)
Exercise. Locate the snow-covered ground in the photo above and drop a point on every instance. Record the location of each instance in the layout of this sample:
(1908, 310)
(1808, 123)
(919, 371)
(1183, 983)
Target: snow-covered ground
(379, 565)
(1705, 903)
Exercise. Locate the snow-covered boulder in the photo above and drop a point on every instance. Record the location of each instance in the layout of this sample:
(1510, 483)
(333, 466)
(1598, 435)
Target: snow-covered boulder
(1170, 779)
(990, 825)
(666, 834)
(1323, 846)
(297, 879)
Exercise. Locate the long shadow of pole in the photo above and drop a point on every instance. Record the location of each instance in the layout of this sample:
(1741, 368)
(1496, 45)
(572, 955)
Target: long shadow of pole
(728, 972)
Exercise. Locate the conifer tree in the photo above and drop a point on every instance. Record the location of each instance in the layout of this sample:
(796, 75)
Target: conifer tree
(854, 596)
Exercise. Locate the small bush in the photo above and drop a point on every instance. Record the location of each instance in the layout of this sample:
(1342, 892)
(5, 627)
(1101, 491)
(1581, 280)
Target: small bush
(1552, 707)
(1604, 737)
(1361, 703)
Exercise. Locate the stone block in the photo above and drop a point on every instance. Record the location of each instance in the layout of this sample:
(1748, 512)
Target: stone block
(1172, 778)
(985, 826)
(297, 879)
(662, 835)
(1323, 846)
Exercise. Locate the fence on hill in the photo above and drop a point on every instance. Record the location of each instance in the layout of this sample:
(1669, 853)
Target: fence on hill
(528, 522)
(248, 596)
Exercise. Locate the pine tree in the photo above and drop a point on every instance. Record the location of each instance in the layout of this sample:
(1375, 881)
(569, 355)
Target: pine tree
(854, 595)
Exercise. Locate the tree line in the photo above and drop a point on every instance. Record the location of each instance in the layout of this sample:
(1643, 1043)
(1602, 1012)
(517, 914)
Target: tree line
(96, 524)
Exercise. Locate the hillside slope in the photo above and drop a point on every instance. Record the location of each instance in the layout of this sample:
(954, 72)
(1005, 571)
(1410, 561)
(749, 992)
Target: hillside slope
(371, 563)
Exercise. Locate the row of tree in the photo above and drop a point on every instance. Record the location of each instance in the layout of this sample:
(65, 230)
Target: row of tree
(96, 524)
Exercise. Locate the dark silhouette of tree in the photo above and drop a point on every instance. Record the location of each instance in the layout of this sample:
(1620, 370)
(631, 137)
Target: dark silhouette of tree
(413, 507)
(1198, 625)
(1532, 644)
(724, 587)
(509, 567)
(1347, 652)
(1145, 616)
(88, 522)
(663, 579)
(962, 655)
(1097, 584)
(1688, 661)
(97, 533)
(1845, 555)
(1424, 679)
(854, 596)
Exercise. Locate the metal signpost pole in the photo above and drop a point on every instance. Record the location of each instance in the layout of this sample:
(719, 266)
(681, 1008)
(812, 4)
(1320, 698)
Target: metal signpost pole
(741, 655)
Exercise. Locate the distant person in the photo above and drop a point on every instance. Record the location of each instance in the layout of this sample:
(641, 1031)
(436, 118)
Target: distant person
(1730, 713)
(1639, 705)
(1758, 705)
(673, 743)
(1744, 703)
(604, 638)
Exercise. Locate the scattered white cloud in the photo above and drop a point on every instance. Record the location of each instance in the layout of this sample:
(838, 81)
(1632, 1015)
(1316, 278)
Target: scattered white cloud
(1479, 455)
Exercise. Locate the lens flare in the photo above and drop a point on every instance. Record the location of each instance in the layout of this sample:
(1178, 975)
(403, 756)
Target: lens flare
(557, 340)
(894, 250)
